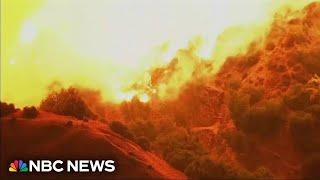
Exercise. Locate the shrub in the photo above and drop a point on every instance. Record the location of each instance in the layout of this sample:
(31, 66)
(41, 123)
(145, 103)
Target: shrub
(239, 142)
(178, 147)
(310, 168)
(69, 124)
(135, 109)
(143, 128)
(238, 104)
(120, 128)
(67, 102)
(264, 119)
(164, 126)
(178, 139)
(205, 168)
(297, 98)
(301, 128)
(180, 158)
(262, 173)
(6, 109)
(255, 94)
(143, 142)
(168, 141)
(30, 112)
(240, 101)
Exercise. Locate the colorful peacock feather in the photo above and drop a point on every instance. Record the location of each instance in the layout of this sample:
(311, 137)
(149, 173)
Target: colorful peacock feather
(18, 166)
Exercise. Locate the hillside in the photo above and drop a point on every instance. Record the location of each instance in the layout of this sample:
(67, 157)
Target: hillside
(273, 95)
(48, 137)
(257, 117)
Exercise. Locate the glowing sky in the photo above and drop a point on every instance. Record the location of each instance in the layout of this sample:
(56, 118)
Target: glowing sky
(106, 44)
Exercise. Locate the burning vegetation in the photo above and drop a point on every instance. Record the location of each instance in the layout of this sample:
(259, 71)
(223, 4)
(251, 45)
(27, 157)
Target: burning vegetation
(256, 117)
(271, 91)
(67, 102)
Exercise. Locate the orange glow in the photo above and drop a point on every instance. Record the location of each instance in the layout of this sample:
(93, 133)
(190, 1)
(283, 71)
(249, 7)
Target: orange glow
(112, 45)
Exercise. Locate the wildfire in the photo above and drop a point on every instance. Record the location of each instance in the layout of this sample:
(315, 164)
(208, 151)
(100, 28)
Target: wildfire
(124, 48)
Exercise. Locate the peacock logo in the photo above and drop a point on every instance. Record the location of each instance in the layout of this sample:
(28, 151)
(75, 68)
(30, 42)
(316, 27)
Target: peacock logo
(18, 166)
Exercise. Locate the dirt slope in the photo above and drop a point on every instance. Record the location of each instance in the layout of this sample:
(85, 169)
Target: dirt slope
(48, 137)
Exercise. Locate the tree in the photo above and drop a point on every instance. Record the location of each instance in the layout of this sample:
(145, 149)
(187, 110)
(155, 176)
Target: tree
(120, 128)
(67, 102)
(6, 109)
(205, 168)
(180, 158)
(143, 128)
(30, 112)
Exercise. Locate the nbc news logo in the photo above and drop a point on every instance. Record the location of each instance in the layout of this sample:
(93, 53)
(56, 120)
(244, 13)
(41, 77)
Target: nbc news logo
(60, 166)
(18, 166)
